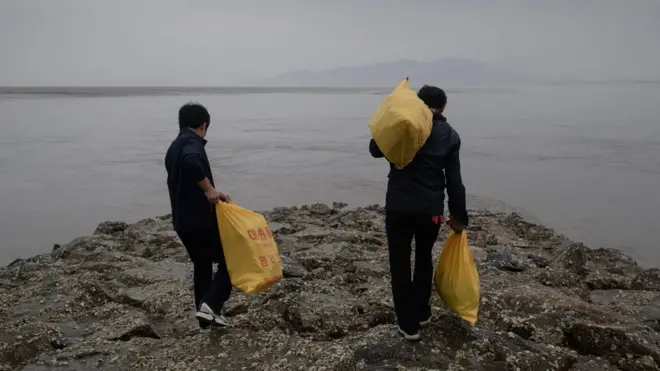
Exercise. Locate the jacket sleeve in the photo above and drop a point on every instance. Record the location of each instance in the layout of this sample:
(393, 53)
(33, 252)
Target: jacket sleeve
(374, 150)
(455, 188)
(192, 166)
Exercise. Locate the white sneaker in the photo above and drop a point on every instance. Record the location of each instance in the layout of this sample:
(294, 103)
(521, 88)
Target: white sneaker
(206, 314)
(222, 321)
(409, 337)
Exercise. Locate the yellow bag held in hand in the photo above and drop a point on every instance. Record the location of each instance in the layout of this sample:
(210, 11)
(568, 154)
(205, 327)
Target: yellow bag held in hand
(457, 279)
(251, 253)
(401, 125)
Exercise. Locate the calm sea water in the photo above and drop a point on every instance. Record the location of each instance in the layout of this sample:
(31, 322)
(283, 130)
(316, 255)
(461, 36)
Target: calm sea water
(584, 159)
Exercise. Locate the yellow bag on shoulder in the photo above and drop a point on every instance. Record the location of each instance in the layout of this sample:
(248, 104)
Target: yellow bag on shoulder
(251, 253)
(401, 125)
(457, 279)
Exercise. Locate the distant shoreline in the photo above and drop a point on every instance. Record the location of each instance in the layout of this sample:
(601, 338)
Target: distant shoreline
(168, 90)
(120, 91)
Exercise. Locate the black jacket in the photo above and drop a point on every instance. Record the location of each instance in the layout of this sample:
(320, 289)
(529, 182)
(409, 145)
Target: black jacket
(187, 165)
(420, 186)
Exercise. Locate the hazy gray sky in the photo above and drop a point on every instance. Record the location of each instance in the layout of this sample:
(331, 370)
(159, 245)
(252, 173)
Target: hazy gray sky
(212, 42)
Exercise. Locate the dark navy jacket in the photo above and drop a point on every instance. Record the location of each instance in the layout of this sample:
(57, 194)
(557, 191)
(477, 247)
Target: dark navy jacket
(420, 186)
(187, 165)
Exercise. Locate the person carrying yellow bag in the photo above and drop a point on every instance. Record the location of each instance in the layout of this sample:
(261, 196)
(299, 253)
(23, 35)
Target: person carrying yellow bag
(253, 260)
(192, 197)
(414, 208)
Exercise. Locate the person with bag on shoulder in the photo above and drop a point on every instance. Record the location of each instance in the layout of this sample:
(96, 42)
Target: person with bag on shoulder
(414, 209)
(193, 197)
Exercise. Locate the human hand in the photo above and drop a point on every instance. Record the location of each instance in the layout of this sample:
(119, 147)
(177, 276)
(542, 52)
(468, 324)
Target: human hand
(224, 197)
(212, 195)
(455, 226)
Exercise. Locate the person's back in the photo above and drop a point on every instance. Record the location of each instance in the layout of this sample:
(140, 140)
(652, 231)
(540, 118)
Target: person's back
(193, 198)
(414, 209)
(190, 208)
(420, 186)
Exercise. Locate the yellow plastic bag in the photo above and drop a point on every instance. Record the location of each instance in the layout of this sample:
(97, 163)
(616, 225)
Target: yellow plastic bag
(251, 253)
(457, 279)
(401, 125)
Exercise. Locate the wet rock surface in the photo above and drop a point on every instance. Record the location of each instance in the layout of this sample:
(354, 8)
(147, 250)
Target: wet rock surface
(121, 299)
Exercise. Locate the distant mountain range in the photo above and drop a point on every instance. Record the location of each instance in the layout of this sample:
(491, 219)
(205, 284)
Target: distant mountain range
(448, 72)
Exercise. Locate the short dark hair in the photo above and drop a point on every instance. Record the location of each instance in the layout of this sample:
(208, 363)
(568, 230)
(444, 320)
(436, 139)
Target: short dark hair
(434, 97)
(193, 115)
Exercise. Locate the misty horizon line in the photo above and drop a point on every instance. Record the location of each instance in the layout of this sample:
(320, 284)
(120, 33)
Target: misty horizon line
(45, 87)
(274, 83)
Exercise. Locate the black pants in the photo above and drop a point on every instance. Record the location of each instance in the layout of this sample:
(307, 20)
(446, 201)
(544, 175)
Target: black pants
(205, 248)
(411, 293)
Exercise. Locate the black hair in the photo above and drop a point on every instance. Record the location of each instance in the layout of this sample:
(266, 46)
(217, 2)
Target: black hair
(193, 115)
(434, 97)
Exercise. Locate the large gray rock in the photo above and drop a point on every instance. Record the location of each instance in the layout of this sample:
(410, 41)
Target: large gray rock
(508, 260)
(592, 364)
(111, 228)
(649, 279)
(574, 259)
(613, 340)
(122, 300)
(610, 269)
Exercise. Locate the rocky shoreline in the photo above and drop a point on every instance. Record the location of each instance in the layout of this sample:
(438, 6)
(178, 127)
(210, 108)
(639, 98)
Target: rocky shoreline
(121, 300)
